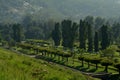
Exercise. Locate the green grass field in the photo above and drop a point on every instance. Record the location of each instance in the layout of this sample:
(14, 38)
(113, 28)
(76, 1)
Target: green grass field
(18, 67)
(77, 63)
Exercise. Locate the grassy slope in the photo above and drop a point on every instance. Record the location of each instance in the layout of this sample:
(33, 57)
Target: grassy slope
(17, 67)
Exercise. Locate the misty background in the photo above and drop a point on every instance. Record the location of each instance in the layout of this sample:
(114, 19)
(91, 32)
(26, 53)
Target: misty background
(17, 10)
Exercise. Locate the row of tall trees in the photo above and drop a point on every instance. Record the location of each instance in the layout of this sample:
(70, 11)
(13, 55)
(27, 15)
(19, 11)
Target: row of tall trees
(9, 34)
(67, 32)
(41, 30)
(88, 39)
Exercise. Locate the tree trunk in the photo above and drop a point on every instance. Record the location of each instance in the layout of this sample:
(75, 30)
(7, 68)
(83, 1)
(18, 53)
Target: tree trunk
(106, 69)
(54, 56)
(67, 59)
(96, 66)
(82, 63)
(42, 53)
(45, 53)
(62, 58)
(119, 71)
(50, 55)
(88, 64)
(58, 58)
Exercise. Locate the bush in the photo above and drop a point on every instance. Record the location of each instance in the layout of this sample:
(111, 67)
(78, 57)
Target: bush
(81, 58)
(23, 51)
(96, 61)
(117, 65)
(87, 59)
(106, 62)
(109, 52)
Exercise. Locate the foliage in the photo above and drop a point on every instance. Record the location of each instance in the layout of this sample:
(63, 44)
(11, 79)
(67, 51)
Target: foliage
(35, 41)
(81, 58)
(17, 33)
(117, 65)
(116, 32)
(105, 37)
(88, 59)
(109, 52)
(56, 34)
(106, 62)
(90, 38)
(68, 33)
(96, 42)
(95, 60)
(82, 34)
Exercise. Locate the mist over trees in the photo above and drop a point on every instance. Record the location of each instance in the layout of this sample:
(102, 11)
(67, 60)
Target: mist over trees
(91, 37)
(90, 32)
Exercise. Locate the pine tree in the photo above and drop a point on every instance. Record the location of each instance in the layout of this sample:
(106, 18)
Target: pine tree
(56, 34)
(82, 34)
(96, 42)
(105, 37)
(68, 33)
(66, 24)
(73, 34)
(90, 39)
(17, 34)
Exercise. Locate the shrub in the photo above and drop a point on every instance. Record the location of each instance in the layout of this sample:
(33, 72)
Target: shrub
(96, 61)
(88, 59)
(117, 65)
(81, 58)
(109, 52)
(106, 62)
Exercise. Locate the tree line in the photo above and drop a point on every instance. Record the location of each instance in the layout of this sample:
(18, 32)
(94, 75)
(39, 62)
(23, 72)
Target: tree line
(67, 32)
(31, 29)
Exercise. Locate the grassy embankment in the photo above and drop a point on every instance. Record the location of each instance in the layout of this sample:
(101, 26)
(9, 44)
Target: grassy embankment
(18, 67)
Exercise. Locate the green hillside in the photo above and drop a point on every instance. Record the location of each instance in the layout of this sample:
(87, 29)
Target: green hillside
(18, 67)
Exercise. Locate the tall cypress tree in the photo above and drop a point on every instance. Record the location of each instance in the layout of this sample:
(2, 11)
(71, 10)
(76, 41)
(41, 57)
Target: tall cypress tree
(17, 34)
(56, 34)
(96, 42)
(66, 24)
(105, 37)
(72, 34)
(68, 33)
(90, 38)
(82, 34)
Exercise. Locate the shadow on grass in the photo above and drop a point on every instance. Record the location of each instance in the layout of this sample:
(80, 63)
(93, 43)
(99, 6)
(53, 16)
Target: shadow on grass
(83, 69)
(48, 59)
(115, 77)
(92, 70)
(79, 68)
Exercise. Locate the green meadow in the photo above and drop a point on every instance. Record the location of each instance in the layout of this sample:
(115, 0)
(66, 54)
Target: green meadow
(20, 67)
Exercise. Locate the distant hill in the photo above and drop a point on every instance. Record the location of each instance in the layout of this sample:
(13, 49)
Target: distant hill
(15, 10)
